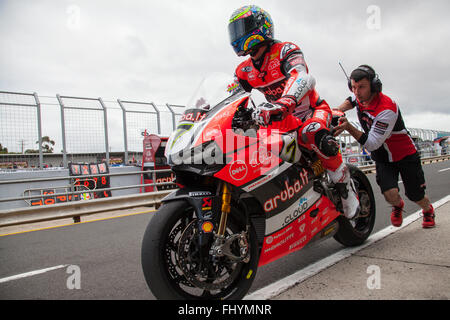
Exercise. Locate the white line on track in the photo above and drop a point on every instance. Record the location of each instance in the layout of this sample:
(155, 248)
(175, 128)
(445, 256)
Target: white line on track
(31, 273)
(442, 170)
(284, 284)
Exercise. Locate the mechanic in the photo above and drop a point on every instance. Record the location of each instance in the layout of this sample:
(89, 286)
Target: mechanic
(389, 142)
(278, 70)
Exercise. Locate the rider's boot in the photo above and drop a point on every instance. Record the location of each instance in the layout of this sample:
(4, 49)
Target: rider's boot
(346, 188)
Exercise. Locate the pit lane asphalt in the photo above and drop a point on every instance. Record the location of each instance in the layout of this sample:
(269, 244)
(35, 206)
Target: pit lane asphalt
(107, 253)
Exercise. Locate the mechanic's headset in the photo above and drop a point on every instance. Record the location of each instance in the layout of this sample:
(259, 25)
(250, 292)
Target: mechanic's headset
(375, 83)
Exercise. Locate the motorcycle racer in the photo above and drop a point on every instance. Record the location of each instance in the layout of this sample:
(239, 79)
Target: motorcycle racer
(279, 71)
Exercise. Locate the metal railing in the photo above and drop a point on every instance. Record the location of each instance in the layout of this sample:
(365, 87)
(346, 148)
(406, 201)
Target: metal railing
(76, 207)
(34, 128)
(83, 177)
(80, 208)
(30, 136)
(40, 131)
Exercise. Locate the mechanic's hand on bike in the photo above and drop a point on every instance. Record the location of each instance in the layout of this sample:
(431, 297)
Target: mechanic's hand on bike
(267, 112)
(343, 126)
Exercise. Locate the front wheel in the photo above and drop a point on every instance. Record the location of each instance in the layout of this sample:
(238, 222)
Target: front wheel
(354, 232)
(177, 261)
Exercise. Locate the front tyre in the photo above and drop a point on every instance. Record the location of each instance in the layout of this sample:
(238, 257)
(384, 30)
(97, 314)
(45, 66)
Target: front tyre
(355, 231)
(177, 265)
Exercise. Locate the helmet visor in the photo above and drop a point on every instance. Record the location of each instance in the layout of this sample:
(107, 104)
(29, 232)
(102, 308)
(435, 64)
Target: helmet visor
(241, 27)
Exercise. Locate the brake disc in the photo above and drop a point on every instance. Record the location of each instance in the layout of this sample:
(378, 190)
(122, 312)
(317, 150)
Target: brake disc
(364, 201)
(204, 273)
(171, 254)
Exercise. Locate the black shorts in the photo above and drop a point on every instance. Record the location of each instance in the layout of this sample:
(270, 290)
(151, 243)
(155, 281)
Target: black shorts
(410, 169)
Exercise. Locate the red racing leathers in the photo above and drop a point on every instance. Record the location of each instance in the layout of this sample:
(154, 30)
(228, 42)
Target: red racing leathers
(282, 76)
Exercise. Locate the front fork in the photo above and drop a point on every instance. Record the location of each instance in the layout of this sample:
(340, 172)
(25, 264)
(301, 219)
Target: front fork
(222, 245)
(225, 210)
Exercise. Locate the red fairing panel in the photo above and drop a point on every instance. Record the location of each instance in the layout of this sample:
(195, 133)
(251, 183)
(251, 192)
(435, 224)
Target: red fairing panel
(299, 229)
(219, 125)
(249, 162)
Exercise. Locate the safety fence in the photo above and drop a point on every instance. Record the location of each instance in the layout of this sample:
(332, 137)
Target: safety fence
(76, 208)
(52, 131)
(424, 139)
(38, 131)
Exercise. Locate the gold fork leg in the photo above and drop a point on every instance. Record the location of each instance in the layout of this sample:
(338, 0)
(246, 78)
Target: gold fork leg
(226, 200)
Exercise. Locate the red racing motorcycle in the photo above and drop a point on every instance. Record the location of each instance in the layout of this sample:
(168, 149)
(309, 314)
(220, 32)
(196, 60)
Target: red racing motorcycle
(247, 196)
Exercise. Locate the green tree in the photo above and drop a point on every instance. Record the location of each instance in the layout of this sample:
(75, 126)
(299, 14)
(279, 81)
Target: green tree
(3, 150)
(47, 144)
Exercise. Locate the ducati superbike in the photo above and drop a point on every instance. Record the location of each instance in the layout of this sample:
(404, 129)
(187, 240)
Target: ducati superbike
(247, 196)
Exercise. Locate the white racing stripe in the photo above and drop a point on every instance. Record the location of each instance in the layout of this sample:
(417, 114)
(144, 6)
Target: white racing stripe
(32, 273)
(288, 282)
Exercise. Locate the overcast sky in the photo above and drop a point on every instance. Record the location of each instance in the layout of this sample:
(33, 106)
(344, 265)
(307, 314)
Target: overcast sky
(160, 50)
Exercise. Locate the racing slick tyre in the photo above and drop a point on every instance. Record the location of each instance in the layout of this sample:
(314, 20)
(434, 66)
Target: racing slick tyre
(355, 231)
(177, 262)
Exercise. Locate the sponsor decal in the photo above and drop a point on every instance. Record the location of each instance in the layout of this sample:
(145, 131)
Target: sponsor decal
(273, 64)
(274, 73)
(288, 193)
(302, 228)
(313, 127)
(301, 86)
(268, 176)
(321, 114)
(270, 239)
(238, 170)
(325, 221)
(171, 178)
(279, 239)
(199, 193)
(274, 91)
(274, 55)
(280, 243)
(296, 60)
(286, 49)
(380, 127)
(302, 208)
(207, 204)
(194, 116)
(207, 227)
(299, 242)
(295, 214)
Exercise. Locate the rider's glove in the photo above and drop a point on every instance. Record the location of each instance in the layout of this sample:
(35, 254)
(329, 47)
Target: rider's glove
(266, 112)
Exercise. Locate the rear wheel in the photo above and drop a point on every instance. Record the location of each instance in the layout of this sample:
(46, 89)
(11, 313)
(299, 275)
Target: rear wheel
(355, 231)
(177, 260)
